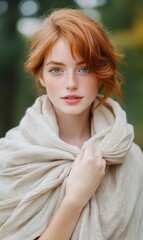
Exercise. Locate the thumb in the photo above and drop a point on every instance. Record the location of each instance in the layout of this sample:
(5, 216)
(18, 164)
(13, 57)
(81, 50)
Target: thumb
(79, 156)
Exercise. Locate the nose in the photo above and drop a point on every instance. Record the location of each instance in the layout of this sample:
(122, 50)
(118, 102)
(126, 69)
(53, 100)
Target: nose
(72, 82)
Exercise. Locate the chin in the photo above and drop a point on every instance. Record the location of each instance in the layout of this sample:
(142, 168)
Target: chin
(75, 112)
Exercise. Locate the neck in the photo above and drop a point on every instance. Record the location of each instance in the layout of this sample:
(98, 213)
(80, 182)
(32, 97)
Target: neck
(74, 130)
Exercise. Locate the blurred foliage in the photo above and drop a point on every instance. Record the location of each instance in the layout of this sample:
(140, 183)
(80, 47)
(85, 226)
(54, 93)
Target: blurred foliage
(124, 21)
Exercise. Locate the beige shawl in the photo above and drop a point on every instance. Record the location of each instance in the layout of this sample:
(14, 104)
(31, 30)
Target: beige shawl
(34, 166)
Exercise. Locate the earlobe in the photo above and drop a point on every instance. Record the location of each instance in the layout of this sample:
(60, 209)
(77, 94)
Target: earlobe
(42, 82)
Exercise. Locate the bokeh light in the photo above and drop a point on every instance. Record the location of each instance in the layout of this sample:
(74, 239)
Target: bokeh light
(93, 13)
(28, 7)
(3, 7)
(28, 26)
(90, 3)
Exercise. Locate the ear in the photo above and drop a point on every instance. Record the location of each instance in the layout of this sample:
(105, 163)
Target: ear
(42, 82)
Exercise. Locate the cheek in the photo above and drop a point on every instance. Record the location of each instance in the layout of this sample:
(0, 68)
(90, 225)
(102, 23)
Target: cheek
(52, 88)
(92, 85)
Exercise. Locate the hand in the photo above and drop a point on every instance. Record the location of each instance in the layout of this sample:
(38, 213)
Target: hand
(87, 173)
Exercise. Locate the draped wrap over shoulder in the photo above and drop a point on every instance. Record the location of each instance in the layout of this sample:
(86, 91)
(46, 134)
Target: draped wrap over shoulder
(35, 164)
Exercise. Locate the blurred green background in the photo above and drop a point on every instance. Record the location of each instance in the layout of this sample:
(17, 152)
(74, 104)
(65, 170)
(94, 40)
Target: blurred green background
(18, 20)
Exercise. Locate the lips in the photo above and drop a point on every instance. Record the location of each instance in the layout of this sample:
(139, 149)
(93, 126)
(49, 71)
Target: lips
(72, 99)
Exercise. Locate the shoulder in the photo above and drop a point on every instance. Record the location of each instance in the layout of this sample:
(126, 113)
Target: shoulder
(136, 154)
(134, 162)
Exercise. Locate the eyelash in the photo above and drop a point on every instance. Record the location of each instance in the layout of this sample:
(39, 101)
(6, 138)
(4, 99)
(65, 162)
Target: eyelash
(83, 68)
(60, 70)
(53, 70)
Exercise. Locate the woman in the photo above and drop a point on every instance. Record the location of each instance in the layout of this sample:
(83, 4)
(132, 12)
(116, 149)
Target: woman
(70, 170)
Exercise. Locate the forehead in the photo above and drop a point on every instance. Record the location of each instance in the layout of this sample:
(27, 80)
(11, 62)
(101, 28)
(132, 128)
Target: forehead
(60, 46)
(62, 51)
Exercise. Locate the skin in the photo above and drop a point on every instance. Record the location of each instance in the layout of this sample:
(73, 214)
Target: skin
(63, 75)
(72, 77)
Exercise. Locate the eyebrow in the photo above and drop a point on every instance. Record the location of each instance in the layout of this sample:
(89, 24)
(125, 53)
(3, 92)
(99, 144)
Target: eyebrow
(62, 64)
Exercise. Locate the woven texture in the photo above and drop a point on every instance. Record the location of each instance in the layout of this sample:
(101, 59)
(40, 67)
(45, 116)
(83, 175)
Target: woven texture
(35, 164)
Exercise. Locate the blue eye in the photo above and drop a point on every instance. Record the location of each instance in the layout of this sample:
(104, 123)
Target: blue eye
(55, 70)
(84, 69)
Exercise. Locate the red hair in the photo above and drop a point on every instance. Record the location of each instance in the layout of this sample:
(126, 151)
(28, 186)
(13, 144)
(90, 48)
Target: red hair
(86, 38)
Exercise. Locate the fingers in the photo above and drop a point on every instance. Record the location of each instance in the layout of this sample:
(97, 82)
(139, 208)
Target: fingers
(95, 155)
(91, 154)
(87, 173)
(90, 151)
(99, 154)
(99, 158)
(80, 156)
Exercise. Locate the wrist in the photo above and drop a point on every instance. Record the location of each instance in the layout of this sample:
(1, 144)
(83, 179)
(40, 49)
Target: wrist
(73, 203)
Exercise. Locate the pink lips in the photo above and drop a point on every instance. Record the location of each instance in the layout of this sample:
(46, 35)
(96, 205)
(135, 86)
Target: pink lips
(72, 99)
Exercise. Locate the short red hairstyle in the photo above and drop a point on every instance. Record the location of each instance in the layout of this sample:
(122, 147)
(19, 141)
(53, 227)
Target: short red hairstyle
(86, 38)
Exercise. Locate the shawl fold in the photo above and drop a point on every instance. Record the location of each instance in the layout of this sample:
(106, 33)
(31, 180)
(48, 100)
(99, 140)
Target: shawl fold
(35, 164)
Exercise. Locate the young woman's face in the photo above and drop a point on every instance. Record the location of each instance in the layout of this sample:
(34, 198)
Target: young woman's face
(70, 85)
